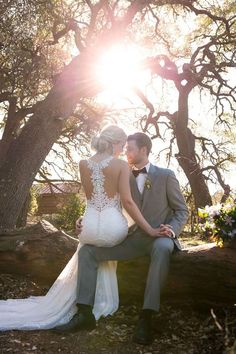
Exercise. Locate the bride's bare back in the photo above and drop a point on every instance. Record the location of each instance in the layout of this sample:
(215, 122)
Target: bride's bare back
(110, 171)
(100, 180)
(105, 183)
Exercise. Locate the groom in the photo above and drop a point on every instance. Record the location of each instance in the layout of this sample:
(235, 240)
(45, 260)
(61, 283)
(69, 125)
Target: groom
(156, 192)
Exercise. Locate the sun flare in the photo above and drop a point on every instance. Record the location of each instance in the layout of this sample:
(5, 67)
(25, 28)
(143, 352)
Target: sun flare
(118, 69)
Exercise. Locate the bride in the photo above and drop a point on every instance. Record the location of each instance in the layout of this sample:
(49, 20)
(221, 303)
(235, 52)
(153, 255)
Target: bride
(105, 179)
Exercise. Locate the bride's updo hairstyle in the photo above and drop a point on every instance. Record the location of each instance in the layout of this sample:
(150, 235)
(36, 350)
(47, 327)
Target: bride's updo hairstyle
(111, 134)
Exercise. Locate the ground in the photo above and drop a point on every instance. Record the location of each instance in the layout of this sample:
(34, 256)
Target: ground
(177, 330)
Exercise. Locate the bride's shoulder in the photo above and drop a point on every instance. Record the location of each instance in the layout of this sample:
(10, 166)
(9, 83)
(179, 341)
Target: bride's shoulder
(82, 163)
(120, 163)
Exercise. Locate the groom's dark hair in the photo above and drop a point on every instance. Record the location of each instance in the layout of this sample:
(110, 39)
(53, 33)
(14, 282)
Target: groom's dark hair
(141, 140)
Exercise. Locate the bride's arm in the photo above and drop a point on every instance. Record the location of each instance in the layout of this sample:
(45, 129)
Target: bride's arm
(128, 203)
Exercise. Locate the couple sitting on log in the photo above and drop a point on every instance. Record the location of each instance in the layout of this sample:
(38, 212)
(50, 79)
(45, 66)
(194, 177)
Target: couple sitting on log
(87, 287)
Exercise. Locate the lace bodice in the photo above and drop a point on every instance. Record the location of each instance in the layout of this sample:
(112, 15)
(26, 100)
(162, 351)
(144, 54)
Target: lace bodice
(99, 199)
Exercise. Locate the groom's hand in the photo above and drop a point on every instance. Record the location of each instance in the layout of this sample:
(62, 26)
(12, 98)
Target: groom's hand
(166, 230)
(78, 226)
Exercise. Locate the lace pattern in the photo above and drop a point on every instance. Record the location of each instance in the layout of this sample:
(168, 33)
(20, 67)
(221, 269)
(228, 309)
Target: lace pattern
(99, 199)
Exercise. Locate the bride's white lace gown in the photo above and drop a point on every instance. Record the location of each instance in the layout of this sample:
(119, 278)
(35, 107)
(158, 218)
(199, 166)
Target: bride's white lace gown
(103, 225)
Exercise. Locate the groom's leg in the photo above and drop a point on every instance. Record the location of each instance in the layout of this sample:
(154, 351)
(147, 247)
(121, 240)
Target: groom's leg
(136, 245)
(160, 252)
(87, 275)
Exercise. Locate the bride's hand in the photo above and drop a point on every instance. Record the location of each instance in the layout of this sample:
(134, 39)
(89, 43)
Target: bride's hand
(78, 226)
(162, 231)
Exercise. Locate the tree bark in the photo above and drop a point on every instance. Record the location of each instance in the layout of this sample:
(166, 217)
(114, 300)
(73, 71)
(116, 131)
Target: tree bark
(187, 156)
(201, 275)
(22, 218)
(39, 251)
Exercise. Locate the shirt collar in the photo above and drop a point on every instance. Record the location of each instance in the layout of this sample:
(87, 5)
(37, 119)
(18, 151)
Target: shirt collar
(147, 167)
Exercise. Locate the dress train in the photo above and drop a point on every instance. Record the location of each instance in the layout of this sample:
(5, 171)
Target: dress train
(58, 306)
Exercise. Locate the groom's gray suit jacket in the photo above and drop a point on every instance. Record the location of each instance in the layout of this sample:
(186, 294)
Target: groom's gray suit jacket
(161, 201)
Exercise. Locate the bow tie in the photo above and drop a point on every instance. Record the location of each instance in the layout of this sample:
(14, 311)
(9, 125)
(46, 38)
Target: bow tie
(137, 172)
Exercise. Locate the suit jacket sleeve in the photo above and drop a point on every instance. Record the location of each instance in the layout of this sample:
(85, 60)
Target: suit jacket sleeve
(177, 203)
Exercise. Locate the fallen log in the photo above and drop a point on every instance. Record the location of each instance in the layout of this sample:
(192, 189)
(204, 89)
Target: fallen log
(200, 275)
(39, 251)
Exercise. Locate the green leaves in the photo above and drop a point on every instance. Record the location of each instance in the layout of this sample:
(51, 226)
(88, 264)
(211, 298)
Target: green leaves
(70, 212)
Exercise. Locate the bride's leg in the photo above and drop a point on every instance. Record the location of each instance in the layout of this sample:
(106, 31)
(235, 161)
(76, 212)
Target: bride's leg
(106, 300)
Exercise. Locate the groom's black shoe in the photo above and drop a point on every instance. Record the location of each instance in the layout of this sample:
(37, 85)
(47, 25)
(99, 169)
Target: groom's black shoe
(83, 320)
(143, 330)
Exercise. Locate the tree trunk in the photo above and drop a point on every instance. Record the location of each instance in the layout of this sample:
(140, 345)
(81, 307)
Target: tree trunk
(187, 155)
(201, 275)
(196, 180)
(22, 218)
(22, 163)
(28, 151)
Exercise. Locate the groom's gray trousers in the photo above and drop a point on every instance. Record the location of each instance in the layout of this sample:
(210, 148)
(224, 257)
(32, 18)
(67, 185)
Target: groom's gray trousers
(135, 245)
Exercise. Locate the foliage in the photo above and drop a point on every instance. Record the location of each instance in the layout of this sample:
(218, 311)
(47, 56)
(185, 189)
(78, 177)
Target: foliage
(70, 212)
(36, 40)
(33, 207)
(219, 221)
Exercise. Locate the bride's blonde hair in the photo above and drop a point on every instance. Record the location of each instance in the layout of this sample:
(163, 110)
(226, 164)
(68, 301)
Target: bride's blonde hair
(109, 135)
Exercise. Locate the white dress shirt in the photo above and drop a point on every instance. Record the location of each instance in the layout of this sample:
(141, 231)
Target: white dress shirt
(141, 178)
